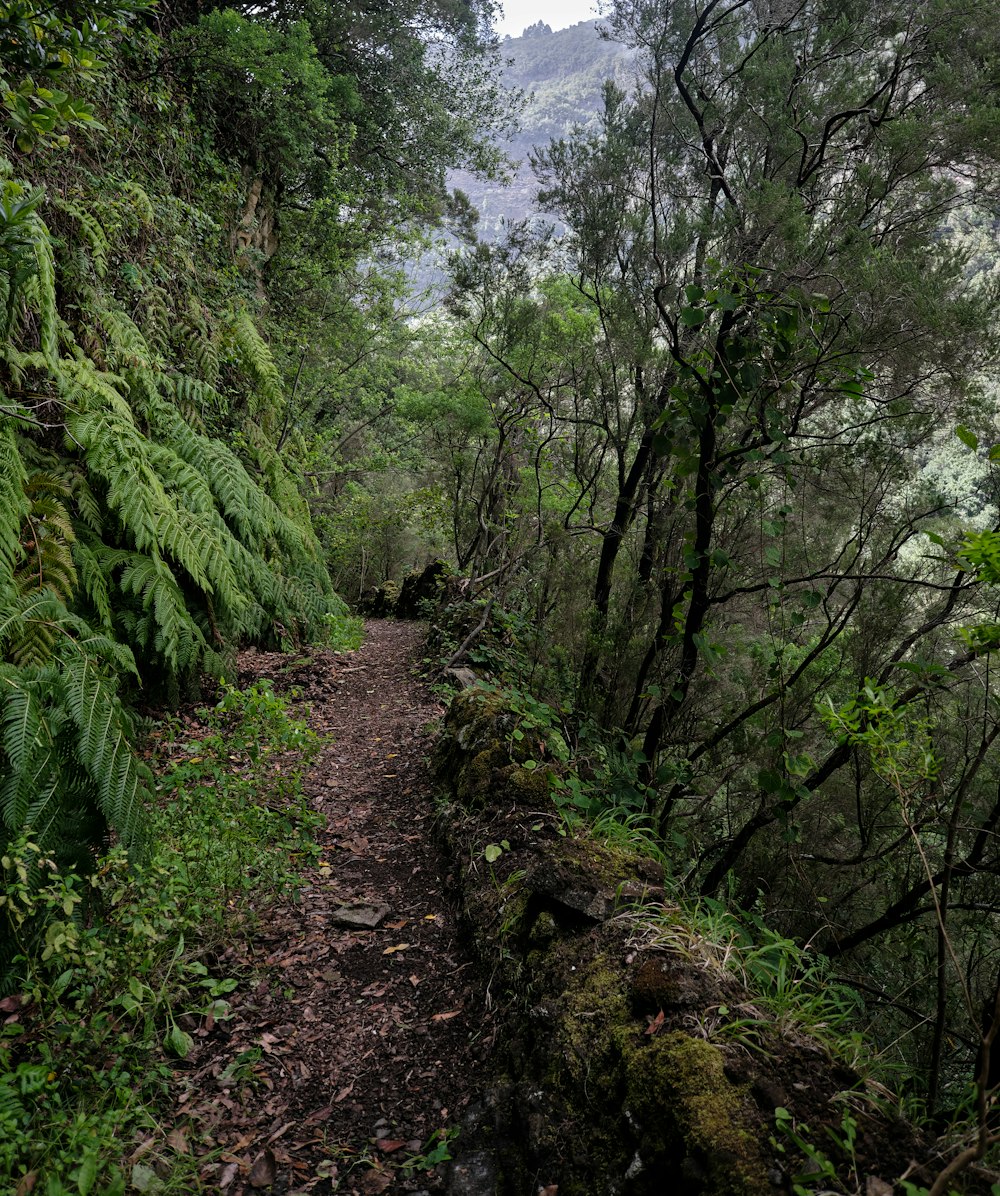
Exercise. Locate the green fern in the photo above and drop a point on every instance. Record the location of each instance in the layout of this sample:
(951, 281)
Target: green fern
(94, 565)
(199, 342)
(121, 783)
(93, 233)
(41, 287)
(126, 346)
(268, 398)
(165, 625)
(47, 538)
(13, 501)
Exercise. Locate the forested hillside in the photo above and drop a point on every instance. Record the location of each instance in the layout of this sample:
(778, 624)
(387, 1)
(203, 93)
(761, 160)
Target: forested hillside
(707, 460)
(560, 77)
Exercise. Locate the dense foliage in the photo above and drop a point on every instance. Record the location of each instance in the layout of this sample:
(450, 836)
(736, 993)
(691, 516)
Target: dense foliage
(181, 191)
(712, 463)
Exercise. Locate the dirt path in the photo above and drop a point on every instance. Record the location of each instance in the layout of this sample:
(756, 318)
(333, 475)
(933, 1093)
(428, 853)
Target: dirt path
(361, 1047)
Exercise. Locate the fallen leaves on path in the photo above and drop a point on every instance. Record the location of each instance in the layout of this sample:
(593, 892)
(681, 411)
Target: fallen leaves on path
(333, 1065)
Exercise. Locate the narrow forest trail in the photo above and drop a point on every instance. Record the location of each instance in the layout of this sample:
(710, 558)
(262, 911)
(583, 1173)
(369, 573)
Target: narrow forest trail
(363, 1041)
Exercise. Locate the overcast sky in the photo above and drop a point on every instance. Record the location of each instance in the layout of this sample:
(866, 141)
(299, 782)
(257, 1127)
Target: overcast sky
(518, 14)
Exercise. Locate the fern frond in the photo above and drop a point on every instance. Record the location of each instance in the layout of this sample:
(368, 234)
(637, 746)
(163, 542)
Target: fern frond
(167, 627)
(192, 397)
(126, 346)
(180, 479)
(255, 356)
(87, 388)
(21, 723)
(141, 204)
(94, 577)
(157, 319)
(93, 232)
(199, 342)
(117, 452)
(122, 784)
(13, 501)
(41, 288)
(47, 537)
(31, 626)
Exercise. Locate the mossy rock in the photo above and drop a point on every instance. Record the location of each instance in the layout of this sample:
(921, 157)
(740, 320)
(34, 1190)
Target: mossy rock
(692, 1122)
(610, 1109)
(478, 757)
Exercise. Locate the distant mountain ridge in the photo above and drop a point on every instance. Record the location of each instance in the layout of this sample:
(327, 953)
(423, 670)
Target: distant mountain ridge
(562, 74)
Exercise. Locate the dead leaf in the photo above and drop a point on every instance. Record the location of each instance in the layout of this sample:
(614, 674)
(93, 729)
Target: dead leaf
(414, 980)
(877, 1187)
(264, 1170)
(390, 1145)
(549, 1190)
(343, 1094)
(228, 1174)
(178, 1141)
(655, 1025)
(144, 1147)
(374, 1182)
(8, 1005)
(443, 1017)
(319, 1115)
(27, 1183)
(393, 950)
(396, 925)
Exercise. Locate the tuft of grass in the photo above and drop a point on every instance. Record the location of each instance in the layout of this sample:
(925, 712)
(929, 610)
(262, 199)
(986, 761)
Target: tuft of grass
(790, 989)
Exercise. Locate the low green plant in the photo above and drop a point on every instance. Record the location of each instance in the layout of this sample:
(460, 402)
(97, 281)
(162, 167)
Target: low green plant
(113, 966)
(788, 985)
(436, 1152)
(819, 1171)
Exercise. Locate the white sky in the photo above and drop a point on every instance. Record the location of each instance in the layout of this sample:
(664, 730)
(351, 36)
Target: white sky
(518, 14)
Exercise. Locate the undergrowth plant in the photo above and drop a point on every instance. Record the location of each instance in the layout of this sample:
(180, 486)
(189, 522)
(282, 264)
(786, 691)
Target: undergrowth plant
(112, 965)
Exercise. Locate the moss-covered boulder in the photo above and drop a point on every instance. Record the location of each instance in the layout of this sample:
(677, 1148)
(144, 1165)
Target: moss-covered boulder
(479, 757)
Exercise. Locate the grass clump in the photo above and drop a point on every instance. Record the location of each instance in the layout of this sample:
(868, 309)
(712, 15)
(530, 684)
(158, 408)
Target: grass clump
(110, 967)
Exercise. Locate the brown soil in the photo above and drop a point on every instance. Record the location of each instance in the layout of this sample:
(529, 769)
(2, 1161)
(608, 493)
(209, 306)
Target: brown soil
(355, 1047)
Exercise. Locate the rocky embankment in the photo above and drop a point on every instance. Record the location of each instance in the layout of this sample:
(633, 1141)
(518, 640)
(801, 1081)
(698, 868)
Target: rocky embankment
(629, 1058)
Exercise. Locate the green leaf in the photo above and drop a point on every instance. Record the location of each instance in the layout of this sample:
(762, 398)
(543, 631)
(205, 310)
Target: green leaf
(86, 1173)
(693, 316)
(177, 1042)
(769, 781)
(969, 439)
(493, 852)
